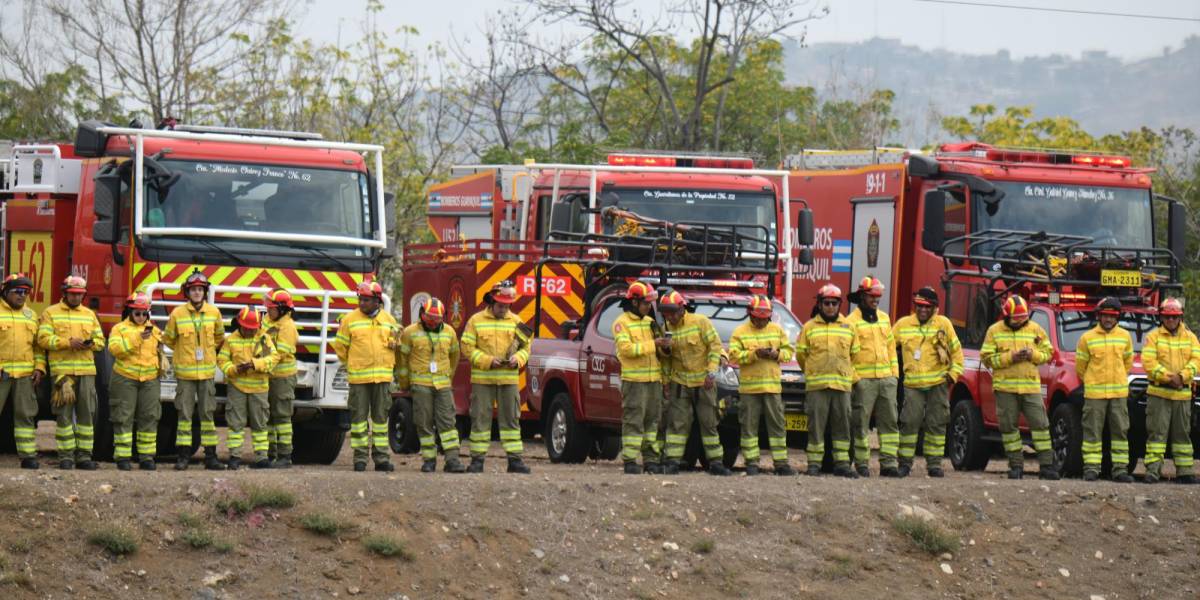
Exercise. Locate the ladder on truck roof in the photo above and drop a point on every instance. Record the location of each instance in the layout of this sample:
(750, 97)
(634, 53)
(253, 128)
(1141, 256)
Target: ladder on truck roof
(40, 169)
(813, 159)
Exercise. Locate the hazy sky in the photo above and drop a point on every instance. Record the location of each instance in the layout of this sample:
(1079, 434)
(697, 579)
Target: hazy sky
(971, 29)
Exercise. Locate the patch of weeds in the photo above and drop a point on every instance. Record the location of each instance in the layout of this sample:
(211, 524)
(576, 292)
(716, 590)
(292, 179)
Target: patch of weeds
(839, 566)
(703, 546)
(20, 578)
(256, 497)
(656, 533)
(324, 524)
(223, 546)
(118, 539)
(927, 536)
(21, 545)
(190, 519)
(642, 514)
(387, 546)
(744, 519)
(197, 538)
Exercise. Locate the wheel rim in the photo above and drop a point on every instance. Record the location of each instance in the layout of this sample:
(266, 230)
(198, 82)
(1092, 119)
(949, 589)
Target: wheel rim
(958, 440)
(1060, 439)
(558, 432)
(396, 427)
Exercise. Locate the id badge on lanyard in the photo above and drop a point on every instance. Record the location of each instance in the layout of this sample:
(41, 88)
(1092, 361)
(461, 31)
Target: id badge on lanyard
(433, 366)
(199, 326)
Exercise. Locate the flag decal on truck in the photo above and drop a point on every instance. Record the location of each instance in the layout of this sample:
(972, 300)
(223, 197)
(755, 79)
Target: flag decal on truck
(841, 256)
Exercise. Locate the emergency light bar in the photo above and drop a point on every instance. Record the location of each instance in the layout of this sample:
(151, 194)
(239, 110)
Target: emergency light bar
(1034, 156)
(697, 282)
(699, 162)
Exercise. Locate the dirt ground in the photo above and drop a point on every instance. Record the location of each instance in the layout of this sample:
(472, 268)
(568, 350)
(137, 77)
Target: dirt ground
(587, 531)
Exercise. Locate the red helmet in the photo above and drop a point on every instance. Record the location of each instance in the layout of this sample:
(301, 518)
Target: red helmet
(1015, 307)
(248, 318)
(829, 291)
(432, 312)
(760, 307)
(871, 286)
(276, 298)
(74, 283)
(1171, 307)
(504, 292)
(925, 296)
(370, 289)
(1109, 306)
(138, 300)
(640, 290)
(672, 300)
(196, 278)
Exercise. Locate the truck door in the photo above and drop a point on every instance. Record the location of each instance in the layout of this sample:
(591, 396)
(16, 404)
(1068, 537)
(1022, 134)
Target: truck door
(873, 241)
(601, 385)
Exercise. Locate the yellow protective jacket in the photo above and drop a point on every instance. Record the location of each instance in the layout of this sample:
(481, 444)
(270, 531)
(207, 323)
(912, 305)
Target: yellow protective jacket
(876, 354)
(135, 358)
(1164, 354)
(695, 350)
(924, 365)
(485, 337)
(420, 350)
(824, 350)
(285, 337)
(759, 375)
(996, 352)
(19, 354)
(1103, 360)
(636, 351)
(189, 329)
(367, 346)
(258, 350)
(59, 324)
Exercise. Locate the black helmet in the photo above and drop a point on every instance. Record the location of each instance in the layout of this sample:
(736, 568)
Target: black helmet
(16, 280)
(195, 279)
(926, 296)
(1109, 306)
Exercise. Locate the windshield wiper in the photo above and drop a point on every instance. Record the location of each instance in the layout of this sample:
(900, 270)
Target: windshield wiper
(235, 258)
(340, 263)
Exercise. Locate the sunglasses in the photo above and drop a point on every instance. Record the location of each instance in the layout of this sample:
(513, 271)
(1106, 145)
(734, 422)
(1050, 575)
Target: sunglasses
(831, 303)
(19, 291)
(139, 313)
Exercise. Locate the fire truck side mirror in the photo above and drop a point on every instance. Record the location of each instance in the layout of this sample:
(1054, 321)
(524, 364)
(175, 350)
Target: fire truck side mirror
(804, 227)
(933, 237)
(1177, 230)
(922, 166)
(106, 204)
(89, 142)
(389, 224)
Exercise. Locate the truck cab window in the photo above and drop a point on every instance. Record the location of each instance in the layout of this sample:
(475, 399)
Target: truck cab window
(1042, 319)
(608, 316)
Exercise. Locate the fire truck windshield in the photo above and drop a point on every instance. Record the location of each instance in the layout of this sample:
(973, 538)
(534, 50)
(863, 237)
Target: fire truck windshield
(261, 198)
(710, 206)
(1110, 216)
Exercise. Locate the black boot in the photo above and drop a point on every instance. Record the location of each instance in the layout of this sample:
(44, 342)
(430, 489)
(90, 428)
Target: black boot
(670, 467)
(752, 469)
(182, 456)
(453, 465)
(863, 471)
(784, 470)
(1186, 479)
(631, 468)
(1090, 475)
(66, 464)
(30, 463)
(653, 468)
(515, 465)
(263, 463)
(147, 464)
(1123, 478)
(429, 466)
(210, 459)
(86, 465)
(476, 465)
(844, 471)
(1049, 473)
(283, 461)
(1150, 478)
(234, 463)
(385, 467)
(903, 471)
(813, 470)
(123, 465)
(1015, 472)
(892, 472)
(716, 467)
(360, 466)
(936, 472)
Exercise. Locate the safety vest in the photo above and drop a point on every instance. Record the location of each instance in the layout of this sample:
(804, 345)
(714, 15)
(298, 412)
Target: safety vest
(283, 333)
(257, 350)
(427, 358)
(996, 352)
(485, 337)
(759, 375)
(824, 350)
(929, 351)
(367, 346)
(695, 350)
(636, 351)
(1103, 360)
(1164, 354)
(59, 324)
(876, 355)
(194, 335)
(135, 358)
(19, 355)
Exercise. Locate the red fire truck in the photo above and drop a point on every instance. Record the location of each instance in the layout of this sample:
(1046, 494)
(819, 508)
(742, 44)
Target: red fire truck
(559, 231)
(132, 209)
(1062, 229)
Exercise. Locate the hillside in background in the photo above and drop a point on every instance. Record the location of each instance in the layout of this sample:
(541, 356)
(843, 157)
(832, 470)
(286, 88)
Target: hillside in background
(1104, 93)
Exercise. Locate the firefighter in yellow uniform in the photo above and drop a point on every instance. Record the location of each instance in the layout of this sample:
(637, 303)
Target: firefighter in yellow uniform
(497, 345)
(933, 360)
(1013, 348)
(876, 373)
(824, 349)
(758, 347)
(194, 333)
(1103, 359)
(133, 389)
(691, 369)
(71, 333)
(22, 365)
(1171, 358)
(282, 388)
(638, 347)
(366, 345)
(246, 359)
(428, 358)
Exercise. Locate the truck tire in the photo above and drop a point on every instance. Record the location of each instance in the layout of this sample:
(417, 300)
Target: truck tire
(566, 440)
(402, 429)
(1066, 435)
(168, 425)
(965, 444)
(317, 446)
(8, 443)
(102, 442)
(605, 446)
